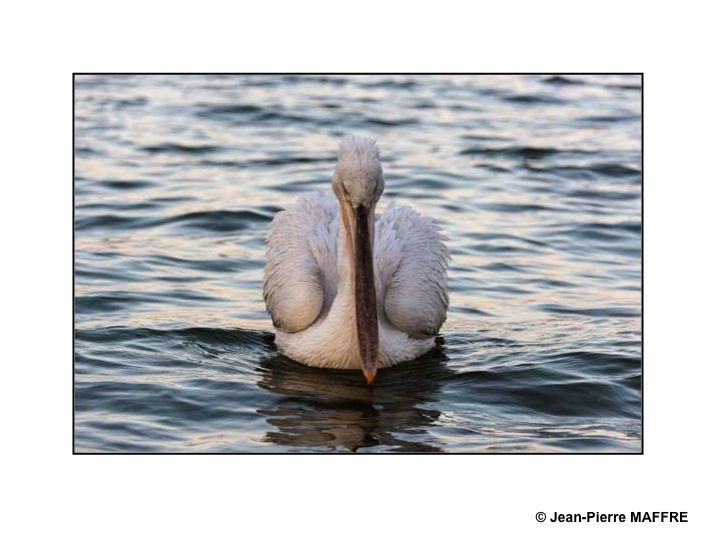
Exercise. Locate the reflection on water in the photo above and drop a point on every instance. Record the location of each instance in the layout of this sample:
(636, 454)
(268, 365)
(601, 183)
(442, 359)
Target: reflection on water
(335, 409)
(535, 180)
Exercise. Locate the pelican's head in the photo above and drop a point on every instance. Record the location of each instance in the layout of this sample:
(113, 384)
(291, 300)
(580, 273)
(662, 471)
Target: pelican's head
(358, 178)
(358, 183)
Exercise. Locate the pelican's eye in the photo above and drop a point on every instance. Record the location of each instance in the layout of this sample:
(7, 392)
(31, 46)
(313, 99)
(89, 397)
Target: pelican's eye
(344, 192)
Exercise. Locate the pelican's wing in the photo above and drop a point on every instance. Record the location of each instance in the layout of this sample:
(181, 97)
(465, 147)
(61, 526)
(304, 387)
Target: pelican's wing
(301, 261)
(411, 267)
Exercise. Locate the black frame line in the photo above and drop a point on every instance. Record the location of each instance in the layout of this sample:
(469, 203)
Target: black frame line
(642, 261)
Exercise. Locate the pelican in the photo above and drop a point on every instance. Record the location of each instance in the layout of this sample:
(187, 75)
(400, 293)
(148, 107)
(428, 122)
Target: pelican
(350, 289)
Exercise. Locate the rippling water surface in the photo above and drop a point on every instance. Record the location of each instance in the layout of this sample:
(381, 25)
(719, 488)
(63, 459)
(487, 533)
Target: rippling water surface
(534, 179)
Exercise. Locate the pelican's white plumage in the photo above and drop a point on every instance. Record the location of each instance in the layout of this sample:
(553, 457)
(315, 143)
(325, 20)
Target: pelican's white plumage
(311, 280)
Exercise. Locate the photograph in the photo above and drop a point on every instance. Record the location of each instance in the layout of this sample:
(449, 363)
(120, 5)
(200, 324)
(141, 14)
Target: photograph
(311, 270)
(352, 263)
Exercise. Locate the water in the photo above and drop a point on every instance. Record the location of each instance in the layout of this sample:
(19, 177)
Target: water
(535, 180)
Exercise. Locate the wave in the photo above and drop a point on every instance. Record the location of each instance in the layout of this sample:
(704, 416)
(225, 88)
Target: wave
(219, 220)
(611, 312)
(268, 162)
(228, 336)
(559, 80)
(524, 152)
(533, 99)
(125, 184)
(175, 148)
(222, 221)
(610, 118)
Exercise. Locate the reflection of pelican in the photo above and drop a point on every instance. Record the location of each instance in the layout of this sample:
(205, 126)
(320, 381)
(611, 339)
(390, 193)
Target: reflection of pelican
(347, 291)
(332, 409)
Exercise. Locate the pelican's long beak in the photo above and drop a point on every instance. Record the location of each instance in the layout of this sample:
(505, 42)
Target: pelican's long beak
(365, 301)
